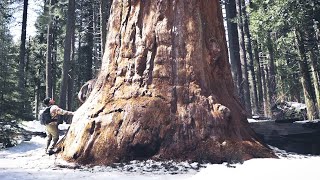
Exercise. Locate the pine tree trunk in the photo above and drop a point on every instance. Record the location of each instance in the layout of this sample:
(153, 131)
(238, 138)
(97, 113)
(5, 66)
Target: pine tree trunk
(96, 49)
(49, 85)
(259, 76)
(80, 60)
(272, 76)
(252, 77)
(22, 60)
(233, 38)
(70, 94)
(265, 82)
(314, 57)
(308, 91)
(104, 15)
(37, 93)
(54, 63)
(89, 46)
(315, 75)
(243, 59)
(294, 91)
(67, 53)
(165, 90)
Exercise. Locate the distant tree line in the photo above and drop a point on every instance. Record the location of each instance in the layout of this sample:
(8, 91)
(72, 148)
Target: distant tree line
(65, 53)
(273, 51)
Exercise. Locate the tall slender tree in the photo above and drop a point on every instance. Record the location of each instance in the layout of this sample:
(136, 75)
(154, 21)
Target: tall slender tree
(259, 75)
(67, 53)
(90, 42)
(233, 39)
(252, 77)
(71, 78)
(104, 14)
(272, 75)
(49, 57)
(22, 60)
(243, 59)
(308, 90)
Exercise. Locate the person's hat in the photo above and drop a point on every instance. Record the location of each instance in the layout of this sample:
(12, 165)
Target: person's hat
(46, 101)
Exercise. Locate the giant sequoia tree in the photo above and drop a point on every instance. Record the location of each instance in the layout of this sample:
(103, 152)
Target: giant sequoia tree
(165, 90)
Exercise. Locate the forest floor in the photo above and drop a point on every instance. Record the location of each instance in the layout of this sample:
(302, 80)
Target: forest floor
(27, 160)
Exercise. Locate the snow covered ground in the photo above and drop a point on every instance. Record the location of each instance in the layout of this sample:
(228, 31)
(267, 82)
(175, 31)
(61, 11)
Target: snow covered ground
(28, 161)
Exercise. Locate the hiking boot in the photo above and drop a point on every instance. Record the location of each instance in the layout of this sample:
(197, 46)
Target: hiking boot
(50, 152)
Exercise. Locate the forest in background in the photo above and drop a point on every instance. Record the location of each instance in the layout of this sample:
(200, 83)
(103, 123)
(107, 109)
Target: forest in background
(273, 52)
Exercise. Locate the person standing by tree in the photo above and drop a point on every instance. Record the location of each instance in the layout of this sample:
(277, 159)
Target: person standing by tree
(52, 130)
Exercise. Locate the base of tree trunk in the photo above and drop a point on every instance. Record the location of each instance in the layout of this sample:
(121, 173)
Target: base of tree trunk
(147, 128)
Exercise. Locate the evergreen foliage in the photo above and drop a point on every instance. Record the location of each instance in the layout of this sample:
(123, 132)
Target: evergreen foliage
(9, 94)
(282, 20)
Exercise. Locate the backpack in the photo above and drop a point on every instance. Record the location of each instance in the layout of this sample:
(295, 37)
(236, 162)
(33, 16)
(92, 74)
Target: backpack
(45, 116)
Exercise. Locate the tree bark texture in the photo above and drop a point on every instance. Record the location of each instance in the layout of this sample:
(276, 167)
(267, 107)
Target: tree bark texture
(165, 90)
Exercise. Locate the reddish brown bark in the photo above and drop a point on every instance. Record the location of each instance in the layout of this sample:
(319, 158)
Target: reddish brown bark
(165, 90)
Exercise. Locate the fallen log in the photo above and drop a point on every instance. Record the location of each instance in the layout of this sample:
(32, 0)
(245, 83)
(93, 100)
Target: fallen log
(300, 136)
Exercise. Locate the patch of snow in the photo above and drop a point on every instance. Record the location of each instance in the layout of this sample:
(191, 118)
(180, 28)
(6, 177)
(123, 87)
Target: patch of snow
(29, 161)
(264, 169)
(7, 126)
(257, 120)
(297, 105)
(35, 126)
(252, 120)
(255, 117)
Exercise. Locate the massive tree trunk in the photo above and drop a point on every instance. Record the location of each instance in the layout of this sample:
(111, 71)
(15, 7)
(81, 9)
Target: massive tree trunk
(165, 90)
